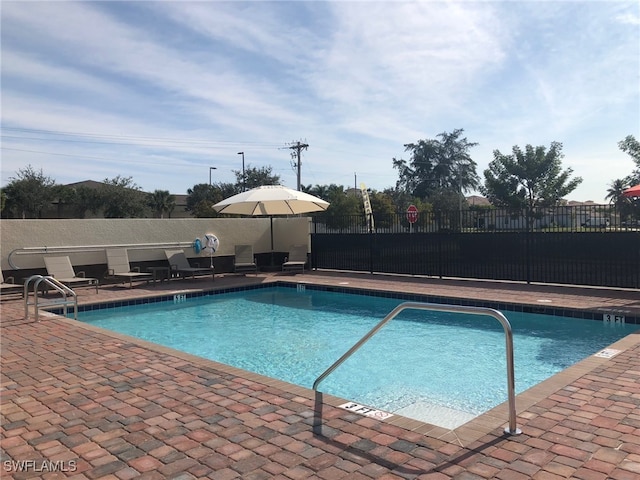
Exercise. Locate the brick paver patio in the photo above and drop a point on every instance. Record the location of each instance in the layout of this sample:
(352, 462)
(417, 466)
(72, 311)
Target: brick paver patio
(79, 402)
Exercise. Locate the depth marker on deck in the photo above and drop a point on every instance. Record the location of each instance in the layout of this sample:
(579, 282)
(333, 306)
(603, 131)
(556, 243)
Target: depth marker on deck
(607, 353)
(366, 411)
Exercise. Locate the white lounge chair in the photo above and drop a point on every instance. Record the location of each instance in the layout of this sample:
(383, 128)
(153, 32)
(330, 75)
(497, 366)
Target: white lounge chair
(296, 259)
(244, 260)
(61, 269)
(179, 264)
(118, 266)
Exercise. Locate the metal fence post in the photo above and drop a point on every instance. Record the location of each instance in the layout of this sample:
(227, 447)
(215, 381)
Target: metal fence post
(370, 243)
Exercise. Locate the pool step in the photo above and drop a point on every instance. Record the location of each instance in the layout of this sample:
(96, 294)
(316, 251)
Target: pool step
(444, 417)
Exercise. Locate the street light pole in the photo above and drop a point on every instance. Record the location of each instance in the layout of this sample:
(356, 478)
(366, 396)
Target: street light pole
(243, 180)
(211, 168)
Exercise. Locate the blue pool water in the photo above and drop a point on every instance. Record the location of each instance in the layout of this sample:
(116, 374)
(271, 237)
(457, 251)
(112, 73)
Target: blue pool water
(420, 361)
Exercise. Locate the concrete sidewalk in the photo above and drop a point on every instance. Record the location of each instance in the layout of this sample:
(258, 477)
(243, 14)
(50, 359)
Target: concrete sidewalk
(80, 402)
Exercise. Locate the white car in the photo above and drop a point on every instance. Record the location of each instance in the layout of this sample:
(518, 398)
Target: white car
(596, 222)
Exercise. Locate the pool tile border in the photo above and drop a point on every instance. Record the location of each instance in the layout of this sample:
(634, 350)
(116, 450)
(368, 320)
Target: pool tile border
(410, 297)
(510, 307)
(161, 298)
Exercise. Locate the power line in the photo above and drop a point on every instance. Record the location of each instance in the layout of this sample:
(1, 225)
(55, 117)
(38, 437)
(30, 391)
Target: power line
(109, 160)
(123, 139)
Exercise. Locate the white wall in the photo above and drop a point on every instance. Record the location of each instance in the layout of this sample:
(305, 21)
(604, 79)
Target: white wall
(134, 233)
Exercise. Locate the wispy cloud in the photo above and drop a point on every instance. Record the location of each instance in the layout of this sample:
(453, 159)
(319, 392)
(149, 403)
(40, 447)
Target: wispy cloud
(628, 18)
(357, 80)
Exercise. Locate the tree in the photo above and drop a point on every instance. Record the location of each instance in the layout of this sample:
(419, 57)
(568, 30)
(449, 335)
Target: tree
(624, 205)
(383, 209)
(121, 198)
(161, 202)
(201, 199)
(85, 199)
(437, 166)
(64, 195)
(29, 192)
(255, 177)
(401, 199)
(342, 207)
(631, 146)
(227, 190)
(426, 216)
(320, 191)
(76, 200)
(528, 180)
(614, 192)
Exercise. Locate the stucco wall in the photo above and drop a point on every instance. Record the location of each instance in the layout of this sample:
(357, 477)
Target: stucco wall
(134, 233)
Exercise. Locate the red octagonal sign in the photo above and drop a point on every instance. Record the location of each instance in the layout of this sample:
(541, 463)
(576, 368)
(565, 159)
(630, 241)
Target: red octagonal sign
(412, 214)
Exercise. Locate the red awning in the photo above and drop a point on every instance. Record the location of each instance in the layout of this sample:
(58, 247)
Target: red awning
(632, 191)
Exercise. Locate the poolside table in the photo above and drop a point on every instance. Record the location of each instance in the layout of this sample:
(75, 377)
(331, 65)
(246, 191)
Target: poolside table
(159, 273)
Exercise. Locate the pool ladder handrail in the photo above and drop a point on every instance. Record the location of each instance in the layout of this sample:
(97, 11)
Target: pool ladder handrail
(61, 288)
(512, 429)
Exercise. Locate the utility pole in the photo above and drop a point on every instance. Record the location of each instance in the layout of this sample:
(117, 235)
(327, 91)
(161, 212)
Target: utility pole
(298, 147)
(243, 179)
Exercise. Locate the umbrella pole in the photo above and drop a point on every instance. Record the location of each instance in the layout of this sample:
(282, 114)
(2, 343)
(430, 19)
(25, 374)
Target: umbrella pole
(271, 230)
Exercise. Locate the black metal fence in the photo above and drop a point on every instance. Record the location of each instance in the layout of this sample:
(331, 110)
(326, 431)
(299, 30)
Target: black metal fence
(603, 255)
(572, 218)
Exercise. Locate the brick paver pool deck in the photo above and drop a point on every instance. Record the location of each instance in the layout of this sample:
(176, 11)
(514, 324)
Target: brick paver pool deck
(80, 402)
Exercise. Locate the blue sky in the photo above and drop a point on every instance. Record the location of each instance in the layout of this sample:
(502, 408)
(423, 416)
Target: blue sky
(162, 91)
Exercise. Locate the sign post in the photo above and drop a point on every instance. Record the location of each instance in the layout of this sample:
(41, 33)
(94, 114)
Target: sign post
(368, 211)
(412, 216)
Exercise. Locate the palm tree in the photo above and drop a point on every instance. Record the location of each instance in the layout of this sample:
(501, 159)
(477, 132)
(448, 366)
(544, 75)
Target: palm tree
(320, 191)
(614, 192)
(614, 195)
(162, 201)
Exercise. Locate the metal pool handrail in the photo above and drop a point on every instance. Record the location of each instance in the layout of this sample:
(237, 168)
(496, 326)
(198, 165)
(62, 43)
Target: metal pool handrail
(60, 287)
(512, 429)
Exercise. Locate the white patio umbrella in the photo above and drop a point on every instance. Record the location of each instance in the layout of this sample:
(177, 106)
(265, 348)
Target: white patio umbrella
(271, 200)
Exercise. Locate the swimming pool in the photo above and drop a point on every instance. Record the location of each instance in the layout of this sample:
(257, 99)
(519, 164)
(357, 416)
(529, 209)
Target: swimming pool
(437, 367)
